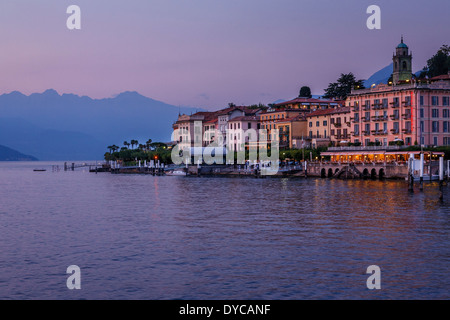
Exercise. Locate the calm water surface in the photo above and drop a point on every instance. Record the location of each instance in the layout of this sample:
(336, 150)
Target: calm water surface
(144, 237)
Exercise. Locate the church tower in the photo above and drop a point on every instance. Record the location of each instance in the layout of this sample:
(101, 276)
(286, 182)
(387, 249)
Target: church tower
(402, 64)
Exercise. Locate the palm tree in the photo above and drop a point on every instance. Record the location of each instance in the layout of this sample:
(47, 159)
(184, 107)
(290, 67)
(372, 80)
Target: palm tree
(114, 148)
(126, 144)
(110, 149)
(148, 143)
(133, 143)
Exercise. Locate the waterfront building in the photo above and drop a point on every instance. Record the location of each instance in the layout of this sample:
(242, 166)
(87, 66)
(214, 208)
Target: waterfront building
(242, 131)
(292, 132)
(405, 112)
(329, 126)
(209, 125)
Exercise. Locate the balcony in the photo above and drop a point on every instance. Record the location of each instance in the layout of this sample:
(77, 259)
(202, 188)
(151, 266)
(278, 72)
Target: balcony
(337, 124)
(394, 116)
(379, 132)
(364, 119)
(379, 118)
(394, 131)
(406, 116)
(406, 131)
(366, 133)
(355, 134)
(355, 108)
(342, 136)
(406, 103)
(395, 104)
(366, 107)
(354, 120)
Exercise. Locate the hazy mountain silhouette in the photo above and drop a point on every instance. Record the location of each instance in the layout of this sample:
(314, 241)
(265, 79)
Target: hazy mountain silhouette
(51, 126)
(8, 154)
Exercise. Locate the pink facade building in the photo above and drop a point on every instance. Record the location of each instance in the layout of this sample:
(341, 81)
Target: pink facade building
(404, 111)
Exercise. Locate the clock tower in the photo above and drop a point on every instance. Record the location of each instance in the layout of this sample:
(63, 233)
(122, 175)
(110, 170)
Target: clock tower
(402, 64)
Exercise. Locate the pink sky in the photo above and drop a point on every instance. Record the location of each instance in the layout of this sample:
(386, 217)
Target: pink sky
(207, 53)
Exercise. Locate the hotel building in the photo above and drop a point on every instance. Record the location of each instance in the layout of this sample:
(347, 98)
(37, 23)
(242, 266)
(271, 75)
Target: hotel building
(405, 111)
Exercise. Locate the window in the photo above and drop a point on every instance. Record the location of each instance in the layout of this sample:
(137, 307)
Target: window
(249, 125)
(325, 134)
(405, 65)
(435, 141)
(422, 113)
(435, 126)
(435, 113)
(446, 113)
(317, 123)
(422, 126)
(445, 126)
(445, 101)
(239, 125)
(356, 129)
(421, 100)
(408, 101)
(446, 141)
(310, 124)
(356, 119)
(434, 100)
(324, 123)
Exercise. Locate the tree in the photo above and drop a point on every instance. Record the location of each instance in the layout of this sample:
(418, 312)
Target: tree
(343, 87)
(126, 144)
(305, 92)
(134, 143)
(231, 105)
(439, 64)
(148, 143)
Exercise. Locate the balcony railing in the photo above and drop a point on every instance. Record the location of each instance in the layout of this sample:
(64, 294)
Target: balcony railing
(406, 116)
(355, 134)
(364, 119)
(379, 118)
(394, 131)
(406, 131)
(337, 124)
(366, 133)
(395, 104)
(394, 116)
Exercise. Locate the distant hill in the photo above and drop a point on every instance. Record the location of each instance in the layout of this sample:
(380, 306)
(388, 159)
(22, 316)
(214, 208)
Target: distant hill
(382, 76)
(8, 154)
(70, 127)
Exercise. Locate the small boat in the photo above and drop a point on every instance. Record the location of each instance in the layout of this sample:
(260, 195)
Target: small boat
(39, 170)
(176, 173)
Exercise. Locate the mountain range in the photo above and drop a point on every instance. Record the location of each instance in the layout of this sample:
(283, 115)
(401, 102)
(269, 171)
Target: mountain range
(8, 154)
(51, 126)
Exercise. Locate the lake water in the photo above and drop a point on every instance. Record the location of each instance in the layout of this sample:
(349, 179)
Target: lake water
(145, 237)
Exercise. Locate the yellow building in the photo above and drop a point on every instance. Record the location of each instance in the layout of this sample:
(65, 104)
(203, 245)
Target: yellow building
(292, 131)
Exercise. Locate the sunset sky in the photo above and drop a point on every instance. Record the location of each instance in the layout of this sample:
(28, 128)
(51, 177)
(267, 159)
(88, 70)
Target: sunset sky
(207, 53)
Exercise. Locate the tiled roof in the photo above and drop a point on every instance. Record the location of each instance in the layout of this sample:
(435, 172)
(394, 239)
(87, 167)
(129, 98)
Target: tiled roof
(244, 118)
(324, 112)
(306, 100)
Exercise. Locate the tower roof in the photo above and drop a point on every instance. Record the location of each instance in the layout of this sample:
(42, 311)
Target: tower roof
(402, 45)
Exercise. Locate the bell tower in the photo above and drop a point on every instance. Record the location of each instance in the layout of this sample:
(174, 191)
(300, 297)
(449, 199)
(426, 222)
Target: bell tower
(402, 64)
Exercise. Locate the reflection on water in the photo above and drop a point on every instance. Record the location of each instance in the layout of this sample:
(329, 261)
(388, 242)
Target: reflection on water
(144, 237)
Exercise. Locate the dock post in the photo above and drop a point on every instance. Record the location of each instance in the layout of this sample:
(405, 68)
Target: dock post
(441, 178)
(306, 169)
(410, 174)
(421, 171)
(73, 166)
